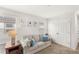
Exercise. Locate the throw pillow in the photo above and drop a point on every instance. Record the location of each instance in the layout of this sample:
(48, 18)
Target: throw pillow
(33, 42)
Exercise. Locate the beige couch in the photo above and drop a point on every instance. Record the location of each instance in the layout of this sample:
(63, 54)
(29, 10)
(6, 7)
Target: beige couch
(37, 47)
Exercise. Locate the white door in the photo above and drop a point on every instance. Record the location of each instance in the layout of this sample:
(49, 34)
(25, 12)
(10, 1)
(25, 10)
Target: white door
(60, 32)
(63, 33)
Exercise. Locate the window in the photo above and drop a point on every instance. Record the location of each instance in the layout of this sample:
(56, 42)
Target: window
(1, 25)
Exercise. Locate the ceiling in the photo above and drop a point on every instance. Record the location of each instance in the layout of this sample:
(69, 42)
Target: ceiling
(46, 11)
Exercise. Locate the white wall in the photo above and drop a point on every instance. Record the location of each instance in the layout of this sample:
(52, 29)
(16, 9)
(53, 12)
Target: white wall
(74, 40)
(64, 19)
(77, 17)
(77, 25)
(23, 29)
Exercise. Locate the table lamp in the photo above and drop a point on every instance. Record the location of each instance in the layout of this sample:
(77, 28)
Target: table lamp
(12, 34)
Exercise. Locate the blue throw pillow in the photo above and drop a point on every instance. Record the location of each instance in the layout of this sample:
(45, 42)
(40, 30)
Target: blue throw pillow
(45, 38)
(33, 42)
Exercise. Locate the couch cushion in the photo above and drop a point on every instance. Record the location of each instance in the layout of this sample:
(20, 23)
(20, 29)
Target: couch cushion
(36, 46)
(36, 38)
(40, 43)
(47, 42)
(33, 48)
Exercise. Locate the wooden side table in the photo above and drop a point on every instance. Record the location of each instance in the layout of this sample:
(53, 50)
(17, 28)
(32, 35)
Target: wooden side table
(13, 49)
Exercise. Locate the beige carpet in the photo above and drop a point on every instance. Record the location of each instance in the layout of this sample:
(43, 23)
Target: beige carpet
(58, 49)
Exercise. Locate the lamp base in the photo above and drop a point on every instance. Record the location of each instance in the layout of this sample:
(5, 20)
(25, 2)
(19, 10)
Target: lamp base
(13, 41)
